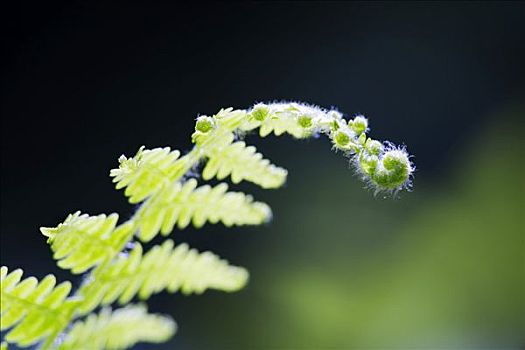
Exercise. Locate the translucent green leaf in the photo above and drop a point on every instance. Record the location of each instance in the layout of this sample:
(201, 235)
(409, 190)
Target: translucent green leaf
(163, 267)
(149, 170)
(118, 329)
(83, 241)
(33, 310)
(184, 203)
(240, 162)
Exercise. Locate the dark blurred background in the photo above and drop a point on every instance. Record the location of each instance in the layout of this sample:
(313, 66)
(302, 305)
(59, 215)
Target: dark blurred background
(440, 267)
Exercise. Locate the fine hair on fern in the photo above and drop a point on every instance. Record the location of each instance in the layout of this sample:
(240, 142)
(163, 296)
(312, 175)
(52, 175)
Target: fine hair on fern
(118, 267)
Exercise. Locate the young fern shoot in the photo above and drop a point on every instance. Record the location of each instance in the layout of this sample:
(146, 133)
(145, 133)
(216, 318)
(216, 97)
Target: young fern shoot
(161, 180)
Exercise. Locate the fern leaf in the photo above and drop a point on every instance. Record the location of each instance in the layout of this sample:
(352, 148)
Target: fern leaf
(119, 329)
(162, 267)
(34, 309)
(184, 203)
(3, 346)
(149, 170)
(241, 162)
(83, 241)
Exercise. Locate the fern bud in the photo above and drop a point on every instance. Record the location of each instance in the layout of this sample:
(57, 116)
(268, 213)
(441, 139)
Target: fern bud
(260, 111)
(204, 124)
(305, 121)
(368, 164)
(341, 138)
(359, 124)
(335, 115)
(373, 147)
(393, 171)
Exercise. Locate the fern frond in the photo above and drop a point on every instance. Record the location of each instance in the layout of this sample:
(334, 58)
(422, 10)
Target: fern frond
(184, 203)
(162, 267)
(83, 241)
(34, 310)
(149, 170)
(119, 329)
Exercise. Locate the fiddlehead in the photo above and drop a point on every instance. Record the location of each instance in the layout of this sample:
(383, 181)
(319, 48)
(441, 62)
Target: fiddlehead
(385, 167)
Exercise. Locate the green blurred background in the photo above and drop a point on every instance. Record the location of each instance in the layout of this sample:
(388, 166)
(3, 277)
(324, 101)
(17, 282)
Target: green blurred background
(337, 268)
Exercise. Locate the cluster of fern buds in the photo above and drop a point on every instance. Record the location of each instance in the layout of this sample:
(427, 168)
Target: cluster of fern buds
(385, 167)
